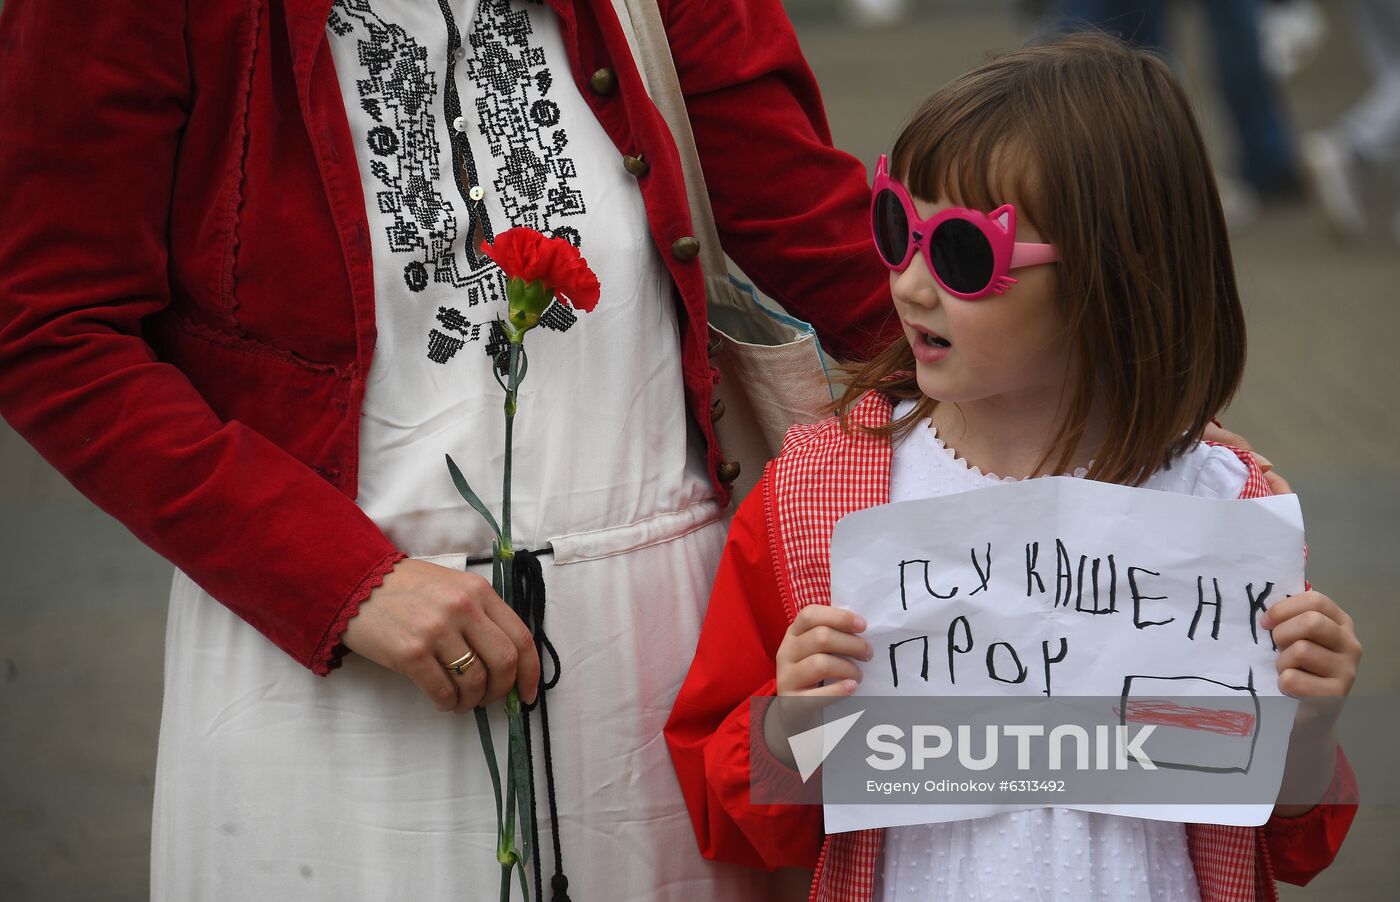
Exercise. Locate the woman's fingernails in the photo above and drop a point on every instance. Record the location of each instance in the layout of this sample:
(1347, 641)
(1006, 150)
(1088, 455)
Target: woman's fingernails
(1264, 463)
(859, 624)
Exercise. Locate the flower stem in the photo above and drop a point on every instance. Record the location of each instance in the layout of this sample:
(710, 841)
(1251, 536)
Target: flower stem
(517, 784)
(512, 387)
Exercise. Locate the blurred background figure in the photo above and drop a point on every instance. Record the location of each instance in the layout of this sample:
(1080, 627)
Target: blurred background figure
(1265, 154)
(875, 13)
(1366, 139)
(1292, 33)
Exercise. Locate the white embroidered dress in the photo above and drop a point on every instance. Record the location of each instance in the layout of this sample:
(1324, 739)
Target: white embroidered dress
(274, 784)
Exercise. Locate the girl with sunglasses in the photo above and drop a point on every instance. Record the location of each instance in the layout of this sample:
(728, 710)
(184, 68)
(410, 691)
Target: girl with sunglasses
(1060, 267)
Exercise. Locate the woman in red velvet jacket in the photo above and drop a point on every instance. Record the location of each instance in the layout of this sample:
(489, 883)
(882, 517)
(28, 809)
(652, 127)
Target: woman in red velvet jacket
(188, 302)
(187, 312)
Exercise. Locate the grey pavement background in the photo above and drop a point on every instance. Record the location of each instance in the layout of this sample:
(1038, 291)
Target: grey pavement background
(82, 603)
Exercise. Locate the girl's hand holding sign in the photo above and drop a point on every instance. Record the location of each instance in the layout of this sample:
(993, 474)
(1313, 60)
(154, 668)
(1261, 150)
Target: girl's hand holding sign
(1318, 652)
(815, 658)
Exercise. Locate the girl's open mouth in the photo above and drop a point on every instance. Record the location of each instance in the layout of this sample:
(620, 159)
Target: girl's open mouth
(929, 347)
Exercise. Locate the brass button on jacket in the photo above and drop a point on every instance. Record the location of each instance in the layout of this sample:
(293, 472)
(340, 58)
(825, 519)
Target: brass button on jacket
(717, 410)
(603, 81)
(728, 471)
(636, 165)
(686, 248)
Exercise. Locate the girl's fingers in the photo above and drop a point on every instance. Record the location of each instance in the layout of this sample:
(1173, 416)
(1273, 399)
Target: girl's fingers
(815, 615)
(1215, 432)
(801, 674)
(1304, 601)
(1277, 484)
(1318, 648)
(827, 640)
(839, 689)
(1313, 626)
(820, 631)
(1309, 656)
(819, 669)
(1299, 684)
(1314, 660)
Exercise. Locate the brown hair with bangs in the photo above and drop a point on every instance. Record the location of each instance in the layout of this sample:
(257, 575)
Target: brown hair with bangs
(1095, 143)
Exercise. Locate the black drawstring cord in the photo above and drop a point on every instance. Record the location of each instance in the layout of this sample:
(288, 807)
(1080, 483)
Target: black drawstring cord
(529, 603)
(483, 561)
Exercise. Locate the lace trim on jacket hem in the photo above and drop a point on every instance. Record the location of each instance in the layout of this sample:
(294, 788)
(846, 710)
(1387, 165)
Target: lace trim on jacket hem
(330, 654)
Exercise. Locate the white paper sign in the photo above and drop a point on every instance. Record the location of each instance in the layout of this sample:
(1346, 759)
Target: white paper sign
(1068, 587)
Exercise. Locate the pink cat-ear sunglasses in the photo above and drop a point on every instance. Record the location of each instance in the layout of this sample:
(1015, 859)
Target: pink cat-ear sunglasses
(969, 252)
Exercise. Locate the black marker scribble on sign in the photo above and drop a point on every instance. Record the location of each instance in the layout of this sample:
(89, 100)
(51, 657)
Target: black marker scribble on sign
(1232, 750)
(928, 587)
(982, 575)
(1032, 556)
(1015, 660)
(1095, 566)
(1045, 656)
(1064, 576)
(1139, 598)
(1201, 604)
(953, 645)
(894, 664)
(1256, 607)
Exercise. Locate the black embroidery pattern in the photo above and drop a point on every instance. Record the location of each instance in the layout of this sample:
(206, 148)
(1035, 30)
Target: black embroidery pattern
(397, 90)
(485, 282)
(534, 181)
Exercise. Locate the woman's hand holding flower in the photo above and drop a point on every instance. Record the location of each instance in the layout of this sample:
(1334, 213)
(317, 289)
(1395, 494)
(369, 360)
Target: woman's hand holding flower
(424, 615)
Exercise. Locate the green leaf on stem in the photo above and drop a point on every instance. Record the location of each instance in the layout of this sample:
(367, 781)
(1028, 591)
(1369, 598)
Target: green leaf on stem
(524, 884)
(466, 492)
(483, 726)
(505, 840)
(519, 771)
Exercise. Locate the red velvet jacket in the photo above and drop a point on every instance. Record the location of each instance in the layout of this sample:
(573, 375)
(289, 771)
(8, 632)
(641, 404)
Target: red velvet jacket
(186, 296)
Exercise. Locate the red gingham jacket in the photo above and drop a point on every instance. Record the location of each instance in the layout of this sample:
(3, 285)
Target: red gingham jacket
(775, 563)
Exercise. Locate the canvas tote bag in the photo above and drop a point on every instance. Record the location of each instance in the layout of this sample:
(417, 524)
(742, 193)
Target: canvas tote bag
(772, 374)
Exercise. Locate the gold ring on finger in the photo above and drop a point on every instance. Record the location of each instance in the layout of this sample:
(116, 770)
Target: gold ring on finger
(460, 665)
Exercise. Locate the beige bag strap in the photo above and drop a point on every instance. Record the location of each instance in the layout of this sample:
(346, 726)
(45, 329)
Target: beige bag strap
(646, 34)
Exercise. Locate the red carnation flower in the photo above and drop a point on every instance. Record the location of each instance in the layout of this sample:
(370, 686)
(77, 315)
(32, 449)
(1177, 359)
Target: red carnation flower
(527, 255)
